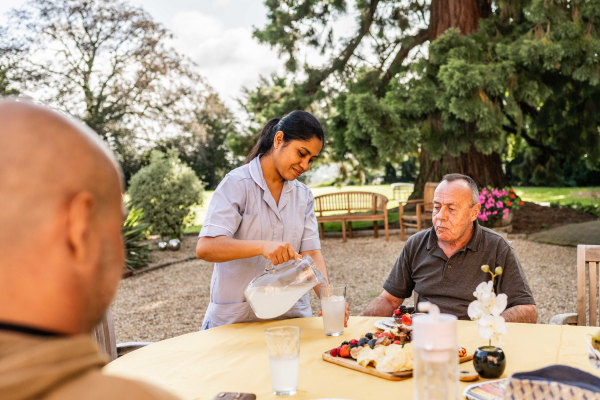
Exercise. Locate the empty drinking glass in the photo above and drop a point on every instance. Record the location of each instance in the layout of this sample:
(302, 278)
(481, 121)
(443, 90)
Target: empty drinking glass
(283, 345)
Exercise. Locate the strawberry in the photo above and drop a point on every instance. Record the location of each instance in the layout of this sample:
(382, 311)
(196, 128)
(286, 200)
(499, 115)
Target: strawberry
(406, 320)
(390, 335)
(382, 334)
(345, 351)
(334, 352)
(397, 342)
(397, 311)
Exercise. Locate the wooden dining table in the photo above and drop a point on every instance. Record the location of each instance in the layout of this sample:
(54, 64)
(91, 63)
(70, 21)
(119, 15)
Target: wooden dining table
(233, 358)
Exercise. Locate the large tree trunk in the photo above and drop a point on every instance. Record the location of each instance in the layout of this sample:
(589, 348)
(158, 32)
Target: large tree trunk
(484, 169)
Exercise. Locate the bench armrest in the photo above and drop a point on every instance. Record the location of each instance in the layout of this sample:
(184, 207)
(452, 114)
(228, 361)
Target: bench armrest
(564, 319)
(418, 202)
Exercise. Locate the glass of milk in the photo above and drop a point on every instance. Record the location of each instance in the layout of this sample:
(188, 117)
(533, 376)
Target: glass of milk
(283, 345)
(333, 307)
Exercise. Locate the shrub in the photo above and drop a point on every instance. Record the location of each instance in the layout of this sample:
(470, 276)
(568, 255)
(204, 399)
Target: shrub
(166, 189)
(137, 253)
(496, 204)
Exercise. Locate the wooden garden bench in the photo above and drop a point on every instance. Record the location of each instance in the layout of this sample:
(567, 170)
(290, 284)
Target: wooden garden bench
(352, 206)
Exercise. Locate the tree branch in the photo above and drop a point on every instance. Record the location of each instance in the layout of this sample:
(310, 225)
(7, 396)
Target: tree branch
(315, 79)
(421, 37)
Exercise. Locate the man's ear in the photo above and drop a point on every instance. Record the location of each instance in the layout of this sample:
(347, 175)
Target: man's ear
(79, 224)
(475, 211)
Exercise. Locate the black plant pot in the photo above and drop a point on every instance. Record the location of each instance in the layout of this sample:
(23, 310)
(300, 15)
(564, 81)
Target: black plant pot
(489, 361)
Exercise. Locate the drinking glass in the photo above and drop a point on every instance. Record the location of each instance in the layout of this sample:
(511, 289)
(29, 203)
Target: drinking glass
(283, 345)
(333, 307)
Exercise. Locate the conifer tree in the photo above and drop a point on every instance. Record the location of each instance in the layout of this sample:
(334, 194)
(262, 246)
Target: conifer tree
(461, 82)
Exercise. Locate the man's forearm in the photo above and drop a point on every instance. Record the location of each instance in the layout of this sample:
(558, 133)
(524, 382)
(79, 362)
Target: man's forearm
(381, 306)
(521, 313)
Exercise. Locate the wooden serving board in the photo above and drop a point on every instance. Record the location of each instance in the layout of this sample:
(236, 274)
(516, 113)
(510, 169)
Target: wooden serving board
(393, 376)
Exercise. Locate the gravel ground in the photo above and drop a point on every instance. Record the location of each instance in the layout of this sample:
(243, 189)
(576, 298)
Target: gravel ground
(171, 301)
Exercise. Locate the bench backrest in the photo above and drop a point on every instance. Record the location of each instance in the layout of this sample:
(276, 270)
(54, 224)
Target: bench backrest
(350, 202)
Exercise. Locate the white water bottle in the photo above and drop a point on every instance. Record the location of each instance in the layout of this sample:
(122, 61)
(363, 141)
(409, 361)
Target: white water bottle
(435, 350)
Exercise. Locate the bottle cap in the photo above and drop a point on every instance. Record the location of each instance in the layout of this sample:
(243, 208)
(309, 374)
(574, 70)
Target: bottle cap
(434, 331)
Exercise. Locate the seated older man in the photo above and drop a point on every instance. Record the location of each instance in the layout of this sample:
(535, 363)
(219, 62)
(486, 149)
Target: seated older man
(443, 263)
(61, 257)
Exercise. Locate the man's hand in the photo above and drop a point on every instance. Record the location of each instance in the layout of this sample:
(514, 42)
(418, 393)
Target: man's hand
(279, 252)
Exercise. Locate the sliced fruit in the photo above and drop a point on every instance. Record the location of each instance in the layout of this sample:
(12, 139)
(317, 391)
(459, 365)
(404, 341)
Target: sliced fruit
(406, 320)
(354, 352)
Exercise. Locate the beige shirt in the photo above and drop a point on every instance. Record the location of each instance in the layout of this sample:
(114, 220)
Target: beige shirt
(40, 367)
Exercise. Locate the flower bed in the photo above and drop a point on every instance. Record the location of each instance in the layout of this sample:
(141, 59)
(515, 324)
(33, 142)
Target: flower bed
(496, 205)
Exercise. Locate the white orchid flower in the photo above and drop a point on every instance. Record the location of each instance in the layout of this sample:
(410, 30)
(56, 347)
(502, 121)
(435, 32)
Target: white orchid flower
(498, 305)
(475, 310)
(487, 309)
(491, 327)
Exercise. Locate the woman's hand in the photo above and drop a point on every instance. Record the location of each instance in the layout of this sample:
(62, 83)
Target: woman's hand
(279, 252)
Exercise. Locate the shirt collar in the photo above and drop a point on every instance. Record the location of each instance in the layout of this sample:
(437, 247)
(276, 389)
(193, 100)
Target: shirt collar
(473, 244)
(5, 326)
(258, 177)
(256, 173)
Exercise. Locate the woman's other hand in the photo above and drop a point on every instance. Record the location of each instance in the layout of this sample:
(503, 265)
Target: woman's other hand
(279, 252)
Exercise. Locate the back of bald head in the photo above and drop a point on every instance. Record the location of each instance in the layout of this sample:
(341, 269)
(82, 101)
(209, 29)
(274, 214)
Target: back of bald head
(45, 159)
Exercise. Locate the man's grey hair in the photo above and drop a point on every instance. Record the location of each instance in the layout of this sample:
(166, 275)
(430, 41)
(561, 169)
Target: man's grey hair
(469, 180)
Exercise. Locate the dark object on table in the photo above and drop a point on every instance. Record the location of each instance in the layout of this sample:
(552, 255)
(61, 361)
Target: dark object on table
(235, 396)
(489, 361)
(555, 381)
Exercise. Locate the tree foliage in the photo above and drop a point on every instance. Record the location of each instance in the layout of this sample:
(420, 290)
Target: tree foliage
(204, 145)
(110, 64)
(165, 190)
(451, 80)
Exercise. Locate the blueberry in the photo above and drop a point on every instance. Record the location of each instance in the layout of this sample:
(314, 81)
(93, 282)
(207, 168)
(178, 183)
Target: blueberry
(369, 336)
(403, 309)
(344, 342)
(372, 343)
(362, 341)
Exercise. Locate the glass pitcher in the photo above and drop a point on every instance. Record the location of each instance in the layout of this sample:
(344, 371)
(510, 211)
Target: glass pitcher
(277, 289)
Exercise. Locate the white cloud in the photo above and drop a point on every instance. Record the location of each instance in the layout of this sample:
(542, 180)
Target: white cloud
(229, 58)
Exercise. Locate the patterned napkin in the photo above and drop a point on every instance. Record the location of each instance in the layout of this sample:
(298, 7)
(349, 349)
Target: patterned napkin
(553, 382)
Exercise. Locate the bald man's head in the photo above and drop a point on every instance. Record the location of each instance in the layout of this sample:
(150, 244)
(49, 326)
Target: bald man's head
(60, 207)
(44, 159)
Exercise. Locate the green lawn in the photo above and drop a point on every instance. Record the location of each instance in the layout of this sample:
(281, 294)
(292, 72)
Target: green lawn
(563, 195)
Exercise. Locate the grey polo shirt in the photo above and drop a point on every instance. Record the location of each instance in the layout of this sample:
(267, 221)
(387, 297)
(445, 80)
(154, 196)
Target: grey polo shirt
(450, 282)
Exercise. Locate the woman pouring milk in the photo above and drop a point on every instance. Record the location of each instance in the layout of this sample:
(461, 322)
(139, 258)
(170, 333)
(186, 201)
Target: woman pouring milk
(260, 211)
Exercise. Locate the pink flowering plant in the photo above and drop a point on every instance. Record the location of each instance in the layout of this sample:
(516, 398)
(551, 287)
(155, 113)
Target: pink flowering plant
(496, 204)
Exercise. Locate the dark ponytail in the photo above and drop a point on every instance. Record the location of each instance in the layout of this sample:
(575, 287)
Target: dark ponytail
(297, 125)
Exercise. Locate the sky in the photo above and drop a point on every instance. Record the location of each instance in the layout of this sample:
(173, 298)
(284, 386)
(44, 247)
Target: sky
(217, 35)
